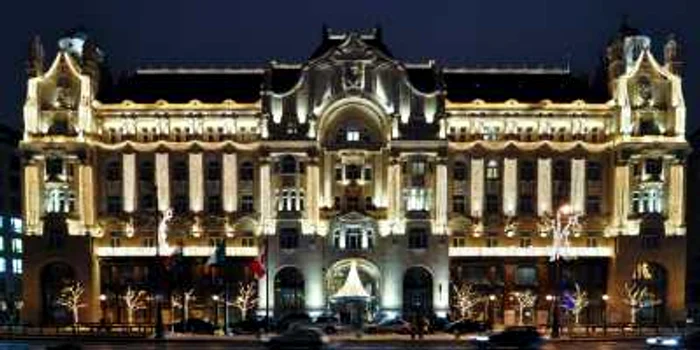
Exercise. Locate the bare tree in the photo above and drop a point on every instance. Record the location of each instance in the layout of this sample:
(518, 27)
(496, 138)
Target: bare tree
(134, 301)
(580, 299)
(246, 299)
(525, 300)
(183, 302)
(466, 299)
(638, 297)
(70, 298)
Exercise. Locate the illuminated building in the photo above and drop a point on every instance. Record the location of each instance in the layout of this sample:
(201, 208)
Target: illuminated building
(414, 176)
(10, 226)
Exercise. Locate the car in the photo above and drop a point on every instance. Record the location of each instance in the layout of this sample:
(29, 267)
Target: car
(688, 341)
(249, 326)
(290, 319)
(466, 326)
(298, 337)
(328, 323)
(395, 325)
(194, 325)
(519, 337)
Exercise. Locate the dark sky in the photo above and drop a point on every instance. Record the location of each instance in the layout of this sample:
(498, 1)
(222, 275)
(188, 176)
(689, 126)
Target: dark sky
(146, 32)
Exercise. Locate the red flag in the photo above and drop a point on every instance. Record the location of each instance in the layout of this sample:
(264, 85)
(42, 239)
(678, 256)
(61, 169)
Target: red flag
(258, 264)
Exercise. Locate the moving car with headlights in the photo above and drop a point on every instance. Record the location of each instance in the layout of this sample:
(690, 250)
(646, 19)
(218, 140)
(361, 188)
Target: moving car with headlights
(466, 326)
(520, 337)
(298, 337)
(689, 341)
(396, 325)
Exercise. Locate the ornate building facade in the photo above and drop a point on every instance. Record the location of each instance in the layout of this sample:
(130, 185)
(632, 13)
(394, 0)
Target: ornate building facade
(420, 176)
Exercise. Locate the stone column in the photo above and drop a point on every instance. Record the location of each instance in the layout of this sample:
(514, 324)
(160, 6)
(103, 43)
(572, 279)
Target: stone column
(312, 195)
(440, 225)
(621, 199)
(544, 186)
(510, 186)
(477, 187)
(32, 188)
(86, 197)
(328, 179)
(395, 180)
(230, 182)
(266, 190)
(163, 181)
(196, 182)
(578, 185)
(129, 181)
(379, 181)
(392, 269)
(676, 198)
(314, 286)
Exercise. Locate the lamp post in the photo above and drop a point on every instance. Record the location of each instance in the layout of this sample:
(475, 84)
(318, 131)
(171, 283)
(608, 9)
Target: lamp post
(550, 300)
(561, 226)
(489, 308)
(103, 307)
(605, 298)
(215, 298)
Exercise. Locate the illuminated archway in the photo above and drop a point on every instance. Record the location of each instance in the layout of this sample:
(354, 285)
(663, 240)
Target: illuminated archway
(417, 292)
(353, 112)
(289, 290)
(370, 277)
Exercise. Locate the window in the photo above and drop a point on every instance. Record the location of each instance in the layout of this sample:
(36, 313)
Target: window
(17, 266)
(54, 168)
(149, 242)
(16, 224)
(561, 171)
(214, 204)
(352, 172)
(247, 242)
(3, 265)
(288, 165)
(459, 171)
(115, 242)
(146, 171)
(289, 238)
(525, 204)
(17, 245)
(114, 204)
(527, 170)
(593, 205)
(417, 238)
(213, 171)
(247, 204)
(593, 171)
(114, 172)
(458, 204)
(647, 200)
(352, 135)
(368, 174)
(147, 201)
(181, 203)
(490, 133)
(592, 242)
(418, 168)
(491, 242)
(247, 171)
(180, 171)
(653, 168)
(526, 276)
(525, 242)
(492, 204)
(459, 242)
(492, 171)
(417, 199)
(353, 238)
(338, 174)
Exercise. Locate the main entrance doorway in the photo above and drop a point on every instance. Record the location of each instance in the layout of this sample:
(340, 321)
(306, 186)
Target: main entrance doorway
(353, 290)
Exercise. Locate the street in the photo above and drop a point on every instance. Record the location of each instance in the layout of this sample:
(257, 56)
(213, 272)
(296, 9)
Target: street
(38, 345)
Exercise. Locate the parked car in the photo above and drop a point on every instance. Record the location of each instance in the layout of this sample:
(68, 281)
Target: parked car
(194, 325)
(299, 318)
(466, 326)
(249, 326)
(298, 337)
(327, 323)
(396, 325)
(689, 341)
(520, 337)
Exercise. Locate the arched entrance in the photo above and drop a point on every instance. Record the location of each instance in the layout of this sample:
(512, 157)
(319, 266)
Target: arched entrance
(652, 278)
(54, 277)
(417, 292)
(289, 290)
(363, 305)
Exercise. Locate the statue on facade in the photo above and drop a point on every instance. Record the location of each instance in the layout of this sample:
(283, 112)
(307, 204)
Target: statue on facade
(163, 230)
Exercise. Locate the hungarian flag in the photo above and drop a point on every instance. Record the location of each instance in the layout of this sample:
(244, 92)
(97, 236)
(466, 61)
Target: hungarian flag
(258, 264)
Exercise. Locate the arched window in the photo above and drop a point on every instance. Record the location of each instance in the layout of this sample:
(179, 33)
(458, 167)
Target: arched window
(492, 170)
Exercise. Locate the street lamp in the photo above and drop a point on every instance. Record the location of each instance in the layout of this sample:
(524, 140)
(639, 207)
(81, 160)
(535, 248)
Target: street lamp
(563, 225)
(215, 298)
(103, 306)
(605, 299)
(489, 308)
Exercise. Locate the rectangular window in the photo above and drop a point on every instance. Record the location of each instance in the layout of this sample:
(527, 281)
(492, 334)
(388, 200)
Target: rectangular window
(247, 242)
(525, 242)
(592, 242)
(458, 204)
(16, 224)
(492, 204)
(17, 266)
(3, 265)
(146, 172)
(114, 204)
(459, 242)
(352, 172)
(214, 204)
(213, 171)
(180, 171)
(352, 136)
(593, 171)
(338, 174)
(527, 170)
(368, 174)
(491, 242)
(417, 238)
(525, 205)
(17, 245)
(353, 238)
(593, 205)
(247, 204)
(289, 238)
(418, 168)
(149, 242)
(181, 203)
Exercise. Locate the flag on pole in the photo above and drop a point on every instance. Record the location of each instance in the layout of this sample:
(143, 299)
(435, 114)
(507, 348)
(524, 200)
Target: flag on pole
(218, 256)
(258, 264)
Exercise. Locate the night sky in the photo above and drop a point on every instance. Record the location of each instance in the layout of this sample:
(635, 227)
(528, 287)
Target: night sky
(137, 33)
